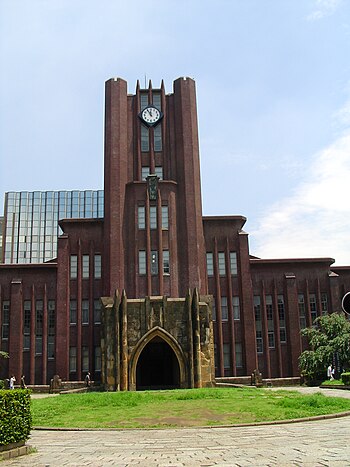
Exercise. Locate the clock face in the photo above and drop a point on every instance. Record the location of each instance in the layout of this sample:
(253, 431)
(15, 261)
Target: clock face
(151, 115)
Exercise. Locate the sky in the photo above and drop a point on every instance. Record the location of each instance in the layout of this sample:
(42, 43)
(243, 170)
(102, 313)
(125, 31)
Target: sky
(273, 94)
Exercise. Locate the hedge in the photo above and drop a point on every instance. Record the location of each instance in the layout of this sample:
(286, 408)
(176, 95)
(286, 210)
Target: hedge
(346, 378)
(15, 416)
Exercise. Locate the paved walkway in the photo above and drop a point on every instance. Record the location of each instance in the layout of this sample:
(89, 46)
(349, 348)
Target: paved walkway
(313, 443)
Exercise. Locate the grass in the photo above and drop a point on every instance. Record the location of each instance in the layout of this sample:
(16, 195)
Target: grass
(333, 382)
(179, 408)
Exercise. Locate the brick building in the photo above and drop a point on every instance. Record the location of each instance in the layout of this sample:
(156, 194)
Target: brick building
(135, 290)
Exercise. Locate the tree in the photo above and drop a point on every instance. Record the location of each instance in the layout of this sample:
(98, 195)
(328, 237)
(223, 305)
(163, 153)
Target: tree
(329, 336)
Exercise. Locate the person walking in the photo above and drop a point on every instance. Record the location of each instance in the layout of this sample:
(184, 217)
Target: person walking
(23, 382)
(12, 382)
(330, 373)
(88, 379)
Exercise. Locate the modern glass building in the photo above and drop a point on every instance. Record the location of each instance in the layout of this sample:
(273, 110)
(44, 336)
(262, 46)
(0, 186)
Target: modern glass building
(30, 224)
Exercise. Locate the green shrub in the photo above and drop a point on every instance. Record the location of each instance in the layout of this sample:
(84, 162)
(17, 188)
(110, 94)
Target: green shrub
(15, 416)
(346, 378)
(2, 384)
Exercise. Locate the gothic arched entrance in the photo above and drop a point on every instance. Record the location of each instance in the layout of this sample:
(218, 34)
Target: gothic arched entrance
(157, 366)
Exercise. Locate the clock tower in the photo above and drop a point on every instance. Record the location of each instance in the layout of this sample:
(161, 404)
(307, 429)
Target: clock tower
(153, 238)
(156, 322)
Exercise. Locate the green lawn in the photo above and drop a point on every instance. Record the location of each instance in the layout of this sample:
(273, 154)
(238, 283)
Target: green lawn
(333, 382)
(179, 408)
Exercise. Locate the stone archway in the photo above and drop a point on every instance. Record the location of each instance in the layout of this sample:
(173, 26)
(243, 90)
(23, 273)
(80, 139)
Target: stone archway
(157, 367)
(157, 362)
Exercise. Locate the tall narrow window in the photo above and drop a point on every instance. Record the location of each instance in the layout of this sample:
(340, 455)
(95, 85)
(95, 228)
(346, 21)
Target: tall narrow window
(236, 308)
(153, 217)
(165, 218)
(154, 262)
(144, 172)
(27, 306)
(97, 311)
(301, 307)
(258, 324)
(210, 265)
(158, 138)
(157, 102)
(270, 325)
(227, 356)
(166, 262)
(73, 266)
(85, 311)
(233, 263)
(313, 307)
(142, 262)
(141, 219)
(86, 271)
(324, 303)
(98, 359)
(282, 318)
(213, 311)
(143, 101)
(144, 139)
(73, 312)
(98, 267)
(257, 308)
(259, 341)
(72, 359)
(222, 268)
(269, 309)
(239, 355)
(224, 309)
(39, 328)
(51, 322)
(159, 172)
(85, 359)
(5, 319)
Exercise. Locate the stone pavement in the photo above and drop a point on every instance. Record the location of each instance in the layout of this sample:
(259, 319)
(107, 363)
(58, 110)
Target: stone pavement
(313, 443)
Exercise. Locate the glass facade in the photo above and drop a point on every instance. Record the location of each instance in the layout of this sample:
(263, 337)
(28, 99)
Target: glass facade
(31, 227)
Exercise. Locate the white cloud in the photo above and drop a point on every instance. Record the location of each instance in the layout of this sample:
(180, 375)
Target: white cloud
(314, 220)
(324, 8)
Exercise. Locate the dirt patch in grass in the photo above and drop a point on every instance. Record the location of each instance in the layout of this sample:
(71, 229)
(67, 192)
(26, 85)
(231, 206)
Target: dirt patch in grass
(200, 418)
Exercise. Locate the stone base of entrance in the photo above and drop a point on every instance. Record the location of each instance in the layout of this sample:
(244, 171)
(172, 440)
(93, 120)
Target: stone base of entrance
(157, 342)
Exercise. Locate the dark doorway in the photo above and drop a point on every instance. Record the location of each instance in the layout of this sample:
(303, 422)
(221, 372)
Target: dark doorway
(157, 367)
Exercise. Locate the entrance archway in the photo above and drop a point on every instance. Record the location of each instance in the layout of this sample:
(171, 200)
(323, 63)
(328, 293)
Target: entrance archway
(157, 366)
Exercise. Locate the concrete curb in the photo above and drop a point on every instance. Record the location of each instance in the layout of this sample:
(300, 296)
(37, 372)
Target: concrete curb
(235, 425)
(15, 452)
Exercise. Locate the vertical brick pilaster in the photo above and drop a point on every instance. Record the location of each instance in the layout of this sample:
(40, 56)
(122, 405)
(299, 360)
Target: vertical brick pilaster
(16, 330)
(220, 340)
(32, 336)
(335, 292)
(249, 332)
(62, 309)
(79, 311)
(265, 331)
(160, 243)
(294, 339)
(44, 351)
(115, 179)
(277, 329)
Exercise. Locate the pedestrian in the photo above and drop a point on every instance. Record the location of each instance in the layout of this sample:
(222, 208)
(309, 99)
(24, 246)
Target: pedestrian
(12, 382)
(23, 383)
(330, 372)
(87, 379)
